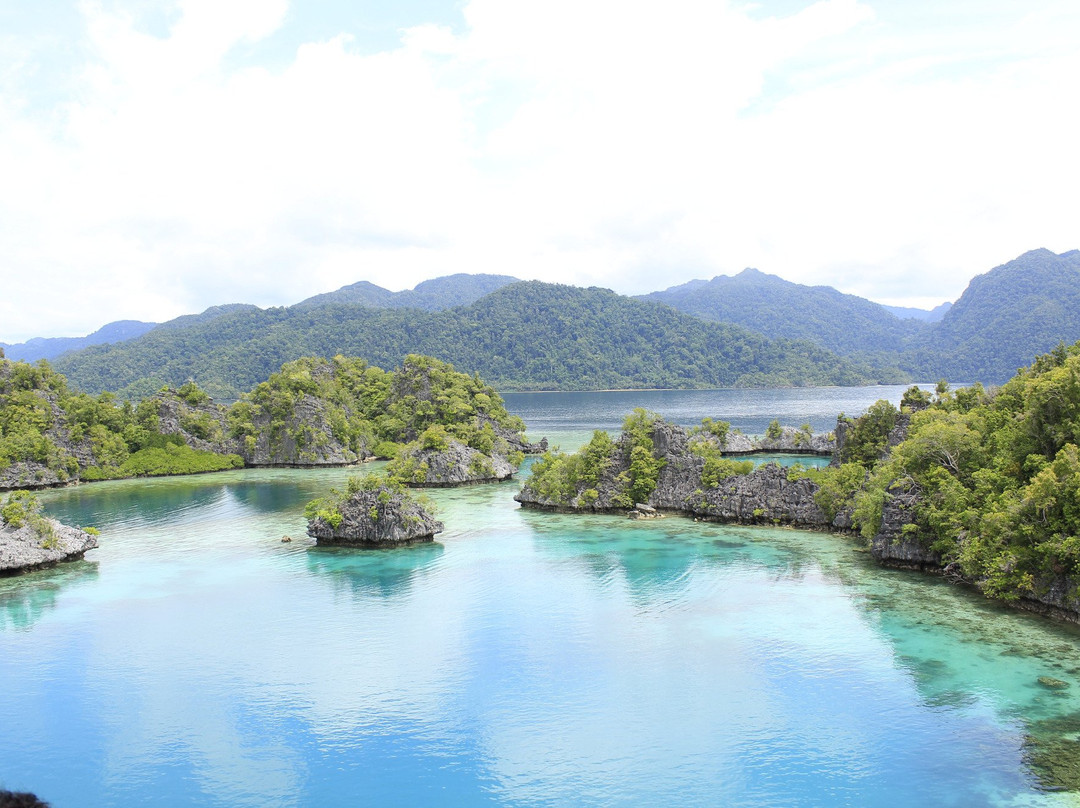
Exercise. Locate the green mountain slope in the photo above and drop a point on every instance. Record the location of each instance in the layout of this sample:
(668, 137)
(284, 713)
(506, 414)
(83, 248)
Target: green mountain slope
(779, 309)
(1005, 316)
(432, 295)
(528, 335)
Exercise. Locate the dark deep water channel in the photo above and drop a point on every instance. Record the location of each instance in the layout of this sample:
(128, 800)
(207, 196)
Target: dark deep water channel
(523, 659)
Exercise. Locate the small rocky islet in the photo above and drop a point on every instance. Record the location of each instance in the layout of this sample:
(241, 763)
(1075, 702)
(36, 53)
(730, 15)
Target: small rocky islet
(30, 541)
(372, 512)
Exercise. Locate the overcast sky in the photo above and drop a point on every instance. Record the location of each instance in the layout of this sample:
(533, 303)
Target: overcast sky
(157, 158)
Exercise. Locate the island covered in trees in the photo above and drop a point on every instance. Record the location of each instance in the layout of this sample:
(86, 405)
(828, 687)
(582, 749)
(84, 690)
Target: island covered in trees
(312, 412)
(983, 486)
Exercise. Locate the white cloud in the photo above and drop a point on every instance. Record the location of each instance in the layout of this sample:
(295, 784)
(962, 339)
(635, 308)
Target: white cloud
(625, 144)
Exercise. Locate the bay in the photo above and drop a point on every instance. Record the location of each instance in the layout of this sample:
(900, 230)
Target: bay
(523, 659)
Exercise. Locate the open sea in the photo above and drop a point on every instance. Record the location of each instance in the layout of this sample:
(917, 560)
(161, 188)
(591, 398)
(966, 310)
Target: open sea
(523, 659)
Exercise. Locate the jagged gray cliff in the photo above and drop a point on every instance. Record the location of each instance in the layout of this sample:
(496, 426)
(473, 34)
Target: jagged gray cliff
(456, 465)
(378, 517)
(27, 548)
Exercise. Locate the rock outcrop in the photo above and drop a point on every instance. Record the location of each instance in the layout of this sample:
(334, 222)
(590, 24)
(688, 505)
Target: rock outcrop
(26, 548)
(304, 438)
(456, 465)
(789, 441)
(30, 474)
(379, 517)
(895, 546)
(764, 496)
(514, 441)
(203, 426)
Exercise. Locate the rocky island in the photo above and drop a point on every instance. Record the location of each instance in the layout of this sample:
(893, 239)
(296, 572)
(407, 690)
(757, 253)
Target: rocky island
(666, 467)
(438, 461)
(29, 541)
(313, 412)
(983, 487)
(372, 512)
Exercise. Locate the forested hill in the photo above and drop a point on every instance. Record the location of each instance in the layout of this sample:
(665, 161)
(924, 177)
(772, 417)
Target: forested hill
(927, 316)
(1005, 316)
(432, 295)
(527, 335)
(49, 347)
(779, 309)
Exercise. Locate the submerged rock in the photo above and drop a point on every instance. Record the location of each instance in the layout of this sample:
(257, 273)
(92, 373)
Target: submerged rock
(1052, 683)
(374, 517)
(29, 547)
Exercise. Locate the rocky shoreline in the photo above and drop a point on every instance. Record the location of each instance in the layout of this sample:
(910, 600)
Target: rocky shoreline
(769, 495)
(24, 549)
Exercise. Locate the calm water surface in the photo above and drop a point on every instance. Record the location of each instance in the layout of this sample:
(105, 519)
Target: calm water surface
(569, 418)
(524, 659)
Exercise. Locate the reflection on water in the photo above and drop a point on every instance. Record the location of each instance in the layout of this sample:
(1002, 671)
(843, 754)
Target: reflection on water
(523, 659)
(370, 572)
(25, 598)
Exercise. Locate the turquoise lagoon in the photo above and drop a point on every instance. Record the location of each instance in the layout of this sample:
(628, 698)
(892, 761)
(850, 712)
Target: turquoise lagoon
(524, 659)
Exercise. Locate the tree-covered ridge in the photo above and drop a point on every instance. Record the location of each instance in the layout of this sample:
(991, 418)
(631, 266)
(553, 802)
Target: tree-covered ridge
(997, 478)
(436, 294)
(523, 336)
(310, 412)
(1005, 317)
(780, 309)
(342, 410)
(51, 434)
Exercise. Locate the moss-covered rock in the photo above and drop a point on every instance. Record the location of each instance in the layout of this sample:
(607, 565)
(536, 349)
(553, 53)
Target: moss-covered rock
(373, 512)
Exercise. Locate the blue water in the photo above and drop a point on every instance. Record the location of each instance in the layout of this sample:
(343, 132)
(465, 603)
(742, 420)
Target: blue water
(524, 659)
(567, 419)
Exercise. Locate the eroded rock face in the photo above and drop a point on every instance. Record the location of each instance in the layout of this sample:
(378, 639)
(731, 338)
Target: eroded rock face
(29, 475)
(765, 496)
(378, 518)
(23, 549)
(894, 547)
(304, 439)
(1055, 596)
(202, 426)
(456, 465)
(515, 441)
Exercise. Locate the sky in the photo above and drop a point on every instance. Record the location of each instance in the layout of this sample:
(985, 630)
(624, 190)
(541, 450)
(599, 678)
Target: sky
(158, 157)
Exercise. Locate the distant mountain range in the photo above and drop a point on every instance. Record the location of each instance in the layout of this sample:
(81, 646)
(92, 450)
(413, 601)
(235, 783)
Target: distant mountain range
(931, 316)
(1004, 319)
(528, 335)
(49, 347)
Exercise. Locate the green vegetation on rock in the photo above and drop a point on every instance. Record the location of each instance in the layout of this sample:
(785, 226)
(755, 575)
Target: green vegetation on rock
(997, 476)
(23, 509)
(310, 412)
